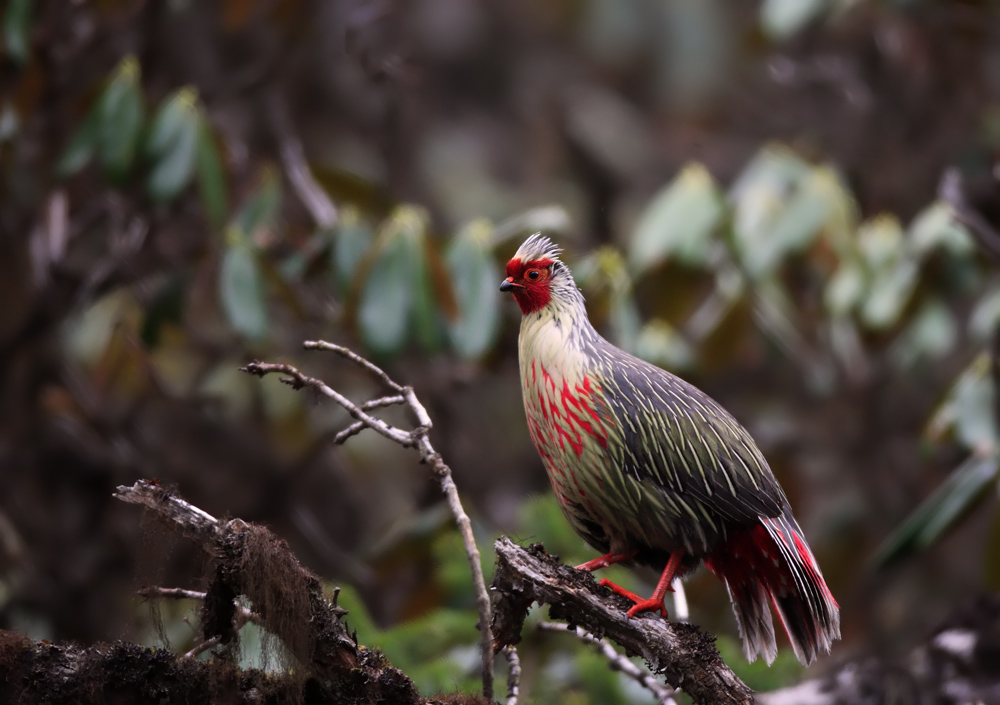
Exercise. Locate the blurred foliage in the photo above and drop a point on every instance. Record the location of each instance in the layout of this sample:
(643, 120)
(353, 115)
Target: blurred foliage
(162, 235)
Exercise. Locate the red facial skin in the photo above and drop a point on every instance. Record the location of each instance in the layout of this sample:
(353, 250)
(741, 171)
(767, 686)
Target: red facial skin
(530, 291)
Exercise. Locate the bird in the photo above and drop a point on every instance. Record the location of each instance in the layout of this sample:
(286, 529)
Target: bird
(649, 470)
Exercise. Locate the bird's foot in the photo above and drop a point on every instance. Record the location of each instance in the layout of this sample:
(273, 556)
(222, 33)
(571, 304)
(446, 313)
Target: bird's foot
(608, 559)
(641, 604)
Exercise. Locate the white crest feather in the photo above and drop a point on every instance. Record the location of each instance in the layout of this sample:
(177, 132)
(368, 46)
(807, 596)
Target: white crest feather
(538, 247)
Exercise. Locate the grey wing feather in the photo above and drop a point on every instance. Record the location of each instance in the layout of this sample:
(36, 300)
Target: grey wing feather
(685, 443)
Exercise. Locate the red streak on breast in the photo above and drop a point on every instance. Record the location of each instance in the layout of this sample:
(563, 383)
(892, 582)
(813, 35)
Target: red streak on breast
(548, 378)
(592, 406)
(593, 430)
(566, 416)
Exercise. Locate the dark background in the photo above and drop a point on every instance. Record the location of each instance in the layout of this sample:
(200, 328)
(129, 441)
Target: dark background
(118, 351)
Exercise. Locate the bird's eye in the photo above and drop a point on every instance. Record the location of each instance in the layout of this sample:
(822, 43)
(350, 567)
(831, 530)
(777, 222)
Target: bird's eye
(533, 274)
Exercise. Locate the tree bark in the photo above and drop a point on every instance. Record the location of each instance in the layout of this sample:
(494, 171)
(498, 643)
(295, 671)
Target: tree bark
(682, 653)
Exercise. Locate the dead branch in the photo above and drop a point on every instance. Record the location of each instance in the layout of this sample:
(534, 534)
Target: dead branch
(37, 672)
(287, 599)
(416, 438)
(682, 653)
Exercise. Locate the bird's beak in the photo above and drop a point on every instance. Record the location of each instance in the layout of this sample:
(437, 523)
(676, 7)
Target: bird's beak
(508, 284)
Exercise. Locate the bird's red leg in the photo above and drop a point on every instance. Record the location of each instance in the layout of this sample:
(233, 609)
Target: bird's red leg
(606, 560)
(655, 602)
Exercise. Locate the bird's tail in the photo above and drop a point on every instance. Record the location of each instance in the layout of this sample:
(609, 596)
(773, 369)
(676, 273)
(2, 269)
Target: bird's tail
(772, 562)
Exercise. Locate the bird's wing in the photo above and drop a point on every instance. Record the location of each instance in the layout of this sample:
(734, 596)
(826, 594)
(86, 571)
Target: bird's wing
(683, 442)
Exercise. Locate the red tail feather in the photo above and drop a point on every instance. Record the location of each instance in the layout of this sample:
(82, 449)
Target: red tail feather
(772, 562)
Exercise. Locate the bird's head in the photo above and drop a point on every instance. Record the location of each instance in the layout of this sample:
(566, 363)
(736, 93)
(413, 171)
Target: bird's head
(535, 274)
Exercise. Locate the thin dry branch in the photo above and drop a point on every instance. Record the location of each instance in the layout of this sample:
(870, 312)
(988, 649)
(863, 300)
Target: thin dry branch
(415, 438)
(204, 646)
(243, 614)
(617, 661)
(682, 653)
(193, 522)
(513, 674)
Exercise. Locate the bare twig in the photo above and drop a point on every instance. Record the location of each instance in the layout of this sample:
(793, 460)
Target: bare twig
(243, 613)
(176, 593)
(416, 438)
(513, 674)
(359, 426)
(682, 653)
(617, 661)
(194, 522)
(383, 401)
(349, 432)
(202, 647)
(297, 380)
(356, 359)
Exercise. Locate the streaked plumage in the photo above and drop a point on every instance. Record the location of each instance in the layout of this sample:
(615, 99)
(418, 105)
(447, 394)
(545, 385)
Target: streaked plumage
(647, 467)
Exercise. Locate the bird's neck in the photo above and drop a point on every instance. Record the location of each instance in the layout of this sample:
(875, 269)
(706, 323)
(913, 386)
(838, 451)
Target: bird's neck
(557, 336)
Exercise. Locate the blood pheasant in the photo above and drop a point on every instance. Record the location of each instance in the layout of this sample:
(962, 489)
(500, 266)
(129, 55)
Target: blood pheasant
(650, 470)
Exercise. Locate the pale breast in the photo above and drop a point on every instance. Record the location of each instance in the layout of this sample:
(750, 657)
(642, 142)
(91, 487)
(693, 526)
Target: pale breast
(571, 430)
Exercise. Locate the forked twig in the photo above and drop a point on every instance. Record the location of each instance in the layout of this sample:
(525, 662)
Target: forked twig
(416, 438)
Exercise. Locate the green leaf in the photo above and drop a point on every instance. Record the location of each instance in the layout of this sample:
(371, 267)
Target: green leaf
(120, 115)
(173, 141)
(935, 228)
(789, 225)
(888, 295)
(661, 344)
(241, 290)
(679, 223)
(211, 176)
(782, 18)
(169, 122)
(426, 322)
(931, 334)
(880, 242)
(761, 191)
(845, 289)
(352, 240)
(81, 148)
(939, 512)
(474, 276)
(388, 294)
(985, 317)
(17, 30)
(968, 409)
(260, 211)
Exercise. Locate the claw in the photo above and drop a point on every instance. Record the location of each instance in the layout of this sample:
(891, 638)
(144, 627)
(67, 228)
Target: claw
(641, 604)
(646, 605)
(655, 602)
